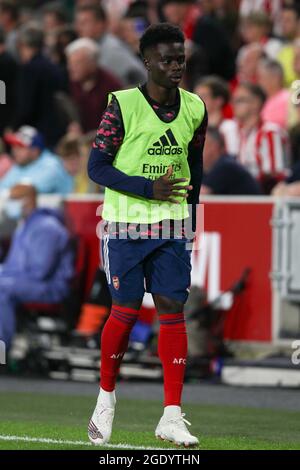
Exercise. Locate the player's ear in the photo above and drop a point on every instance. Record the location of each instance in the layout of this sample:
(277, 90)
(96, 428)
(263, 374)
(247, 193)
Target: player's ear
(146, 63)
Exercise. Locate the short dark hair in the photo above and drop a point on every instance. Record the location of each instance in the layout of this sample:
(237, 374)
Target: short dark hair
(218, 87)
(98, 11)
(254, 90)
(56, 9)
(32, 36)
(160, 33)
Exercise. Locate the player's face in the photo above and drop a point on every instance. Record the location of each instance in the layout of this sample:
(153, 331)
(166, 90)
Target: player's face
(166, 64)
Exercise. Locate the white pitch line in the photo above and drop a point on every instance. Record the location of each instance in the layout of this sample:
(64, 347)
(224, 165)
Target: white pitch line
(44, 440)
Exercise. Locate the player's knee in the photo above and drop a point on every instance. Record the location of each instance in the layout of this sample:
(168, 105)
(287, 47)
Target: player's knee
(135, 304)
(167, 305)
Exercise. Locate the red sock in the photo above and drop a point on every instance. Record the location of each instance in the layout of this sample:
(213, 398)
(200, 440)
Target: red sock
(172, 351)
(114, 343)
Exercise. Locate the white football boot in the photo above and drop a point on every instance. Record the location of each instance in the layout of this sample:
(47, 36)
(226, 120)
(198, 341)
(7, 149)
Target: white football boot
(100, 425)
(172, 428)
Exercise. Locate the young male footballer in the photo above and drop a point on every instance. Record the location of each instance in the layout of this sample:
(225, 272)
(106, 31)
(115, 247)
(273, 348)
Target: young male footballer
(148, 155)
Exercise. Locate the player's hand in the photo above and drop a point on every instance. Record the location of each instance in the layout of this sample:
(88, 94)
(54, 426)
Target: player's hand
(165, 189)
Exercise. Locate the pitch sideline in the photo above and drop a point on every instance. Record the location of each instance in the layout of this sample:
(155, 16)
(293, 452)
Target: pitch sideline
(45, 440)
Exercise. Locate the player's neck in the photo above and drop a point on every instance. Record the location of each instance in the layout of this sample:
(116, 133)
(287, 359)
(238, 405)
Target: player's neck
(160, 94)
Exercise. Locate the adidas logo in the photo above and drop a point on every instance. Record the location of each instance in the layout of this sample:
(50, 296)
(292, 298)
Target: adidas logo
(180, 360)
(166, 145)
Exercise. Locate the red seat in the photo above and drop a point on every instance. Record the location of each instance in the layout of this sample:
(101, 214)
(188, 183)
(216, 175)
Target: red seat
(45, 308)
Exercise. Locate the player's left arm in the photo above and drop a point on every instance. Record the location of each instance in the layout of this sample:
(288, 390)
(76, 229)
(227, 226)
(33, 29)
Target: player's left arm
(195, 160)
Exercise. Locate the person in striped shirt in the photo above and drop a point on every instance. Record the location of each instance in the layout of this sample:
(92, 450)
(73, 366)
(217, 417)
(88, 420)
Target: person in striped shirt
(262, 146)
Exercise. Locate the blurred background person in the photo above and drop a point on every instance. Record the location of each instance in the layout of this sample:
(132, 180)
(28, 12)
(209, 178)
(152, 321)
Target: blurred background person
(271, 8)
(31, 273)
(222, 173)
(54, 17)
(263, 146)
(247, 62)
(215, 93)
(9, 21)
(74, 152)
(271, 79)
(256, 28)
(92, 22)
(38, 82)
(89, 83)
(34, 164)
(218, 53)
(57, 53)
(132, 25)
(8, 74)
(183, 13)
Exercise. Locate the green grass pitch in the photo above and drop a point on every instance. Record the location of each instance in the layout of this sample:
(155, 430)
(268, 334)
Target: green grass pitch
(39, 421)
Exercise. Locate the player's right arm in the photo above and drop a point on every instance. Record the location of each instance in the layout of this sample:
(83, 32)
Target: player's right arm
(108, 140)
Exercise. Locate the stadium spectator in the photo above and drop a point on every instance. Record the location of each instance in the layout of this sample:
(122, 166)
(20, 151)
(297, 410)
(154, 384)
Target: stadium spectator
(63, 36)
(114, 9)
(183, 13)
(31, 273)
(215, 93)
(270, 78)
(227, 13)
(247, 62)
(272, 8)
(211, 37)
(34, 164)
(54, 16)
(256, 28)
(222, 173)
(132, 25)
(8, 74)
(263, 146)
(9, 18)
(290, 23)
(39, 81)
(74, 152)
(89, 83)
(91, 22)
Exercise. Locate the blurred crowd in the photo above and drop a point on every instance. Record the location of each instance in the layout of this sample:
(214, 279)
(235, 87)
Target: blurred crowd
(60, 59)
